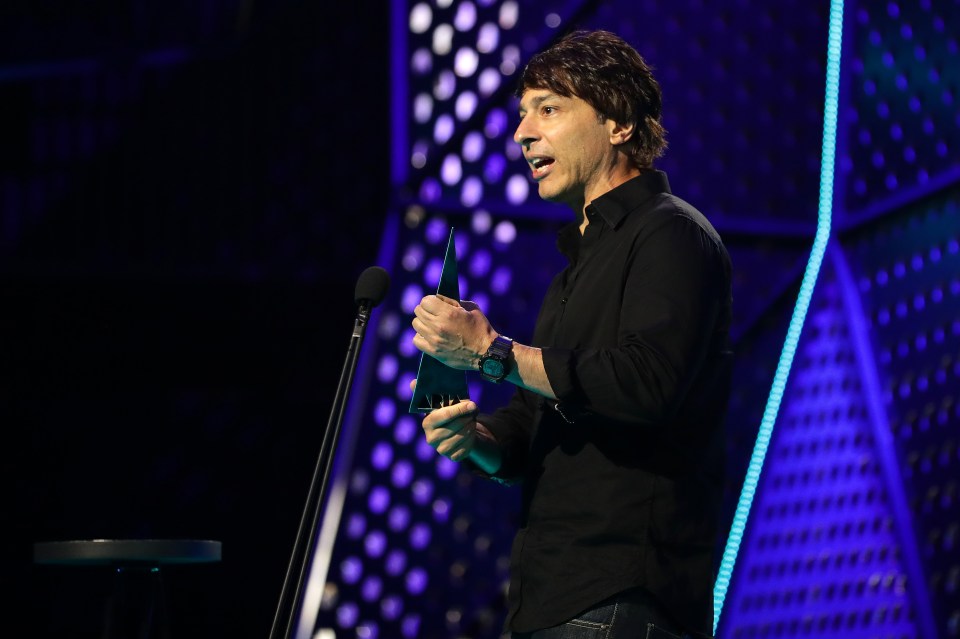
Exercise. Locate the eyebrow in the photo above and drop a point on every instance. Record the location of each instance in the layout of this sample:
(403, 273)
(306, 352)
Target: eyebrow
(537, 101)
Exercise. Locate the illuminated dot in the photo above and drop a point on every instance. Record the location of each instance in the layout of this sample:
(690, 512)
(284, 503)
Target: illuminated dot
(480, 263)
(505, 232)
(401, 474)
(421, 62)
(381, 455)
(410, 626)
(416, 581)
(432, 272)
(413, 257)
(441, 510)
(422, 108)
(473, 144)
(422, 489)
(359, 481)
(379, 499)
(500, 282)
(371, 588)
(446, 468)
(480, 222)
(509, 12)
(419, 536)
(442, 39)
(423, 450)
(466, 61)
(368, 630)
(403, 385)
(512, 150)
(552, 20)
(451, 171)
(495, 124)
(480, 299)
(412, 295)
(389, 325)
(420, 18)
(387, 368)
(510, 60)
(391, 607)
(494, 168)
(351, 569)
(466, 105)
(437, 231)
(445, 85)
(356, 526)
(466, 16)
(488, 82)
(399, 518)
(443, 128)
(347, 615)
(385, 411)
(517, 189)
(443, 4)
(395, 562)
(406, 347)
(405, 430)
(472, 192)
(418, 159)
(375, 543)
(488, 38)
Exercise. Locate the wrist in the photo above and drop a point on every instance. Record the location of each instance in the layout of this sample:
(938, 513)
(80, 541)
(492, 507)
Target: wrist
(496, 363)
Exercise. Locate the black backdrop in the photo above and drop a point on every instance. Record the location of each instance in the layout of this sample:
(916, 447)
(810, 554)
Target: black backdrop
(190, 191)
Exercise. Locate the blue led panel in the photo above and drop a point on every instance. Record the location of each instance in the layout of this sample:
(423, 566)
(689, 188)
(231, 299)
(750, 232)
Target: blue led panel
(904, 111)
(821, 555)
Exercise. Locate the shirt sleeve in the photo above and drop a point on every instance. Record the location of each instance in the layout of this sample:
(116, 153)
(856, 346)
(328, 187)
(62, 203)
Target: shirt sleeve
(511, 426)
(674, 285)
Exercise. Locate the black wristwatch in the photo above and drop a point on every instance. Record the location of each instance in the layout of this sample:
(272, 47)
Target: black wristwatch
(495, 365)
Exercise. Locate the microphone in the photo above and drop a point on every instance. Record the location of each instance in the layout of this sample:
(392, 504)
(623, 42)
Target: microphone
(293, 618)
(372, 286)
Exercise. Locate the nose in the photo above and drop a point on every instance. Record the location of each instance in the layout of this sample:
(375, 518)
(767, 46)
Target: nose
(524, 135)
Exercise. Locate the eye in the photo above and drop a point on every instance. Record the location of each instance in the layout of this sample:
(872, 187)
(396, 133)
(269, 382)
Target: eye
(547, 110)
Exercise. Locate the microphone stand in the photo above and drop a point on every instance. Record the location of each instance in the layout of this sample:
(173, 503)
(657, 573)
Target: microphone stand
(306, 534)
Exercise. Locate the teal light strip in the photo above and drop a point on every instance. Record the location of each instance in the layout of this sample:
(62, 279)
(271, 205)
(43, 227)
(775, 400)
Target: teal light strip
(822, 237)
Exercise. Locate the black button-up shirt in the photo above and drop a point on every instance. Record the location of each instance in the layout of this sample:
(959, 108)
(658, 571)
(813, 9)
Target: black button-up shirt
(622, 476)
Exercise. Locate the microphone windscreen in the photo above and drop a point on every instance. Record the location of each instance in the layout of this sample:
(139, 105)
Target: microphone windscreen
(372, 286)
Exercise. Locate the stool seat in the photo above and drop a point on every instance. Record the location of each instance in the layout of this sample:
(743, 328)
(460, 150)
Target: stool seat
(94, 552)
(136, 609)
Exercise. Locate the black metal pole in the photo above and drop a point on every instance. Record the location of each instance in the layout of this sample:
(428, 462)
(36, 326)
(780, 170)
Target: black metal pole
(291, 595)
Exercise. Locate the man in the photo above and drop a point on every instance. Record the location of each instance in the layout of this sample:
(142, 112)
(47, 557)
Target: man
(614, 430)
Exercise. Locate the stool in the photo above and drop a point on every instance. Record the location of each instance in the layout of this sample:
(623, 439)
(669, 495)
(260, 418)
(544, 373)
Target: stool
(136, 609)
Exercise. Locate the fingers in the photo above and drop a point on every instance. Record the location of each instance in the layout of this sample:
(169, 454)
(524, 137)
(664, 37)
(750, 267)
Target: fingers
(451, 430)
(447, 300)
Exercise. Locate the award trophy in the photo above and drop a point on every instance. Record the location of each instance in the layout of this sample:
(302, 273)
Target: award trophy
(437, 384)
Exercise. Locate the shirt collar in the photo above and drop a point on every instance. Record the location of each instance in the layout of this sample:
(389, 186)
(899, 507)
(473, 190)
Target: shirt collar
(614, 205)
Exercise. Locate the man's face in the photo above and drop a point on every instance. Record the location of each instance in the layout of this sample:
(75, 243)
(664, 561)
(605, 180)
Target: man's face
(568, 148)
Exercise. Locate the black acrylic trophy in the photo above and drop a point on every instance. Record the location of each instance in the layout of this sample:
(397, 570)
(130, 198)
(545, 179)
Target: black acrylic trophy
(438, 384)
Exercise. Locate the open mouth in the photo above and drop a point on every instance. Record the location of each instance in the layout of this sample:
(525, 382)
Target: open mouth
(540, 166)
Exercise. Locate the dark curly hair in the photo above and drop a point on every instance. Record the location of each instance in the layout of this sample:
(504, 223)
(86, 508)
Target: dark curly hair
(603, 70)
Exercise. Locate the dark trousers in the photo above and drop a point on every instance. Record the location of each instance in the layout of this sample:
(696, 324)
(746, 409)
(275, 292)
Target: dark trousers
(630, 615)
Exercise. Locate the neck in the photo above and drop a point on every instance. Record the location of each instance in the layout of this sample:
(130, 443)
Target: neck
(611, 181)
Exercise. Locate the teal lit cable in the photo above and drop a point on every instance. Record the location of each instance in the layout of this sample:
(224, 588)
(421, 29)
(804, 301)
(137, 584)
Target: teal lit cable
(825, 210)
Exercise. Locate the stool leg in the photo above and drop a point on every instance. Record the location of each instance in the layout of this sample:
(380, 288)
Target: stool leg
(136, 609)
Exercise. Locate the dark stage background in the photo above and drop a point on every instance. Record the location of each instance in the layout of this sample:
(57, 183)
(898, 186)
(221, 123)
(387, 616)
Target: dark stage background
(188, 191)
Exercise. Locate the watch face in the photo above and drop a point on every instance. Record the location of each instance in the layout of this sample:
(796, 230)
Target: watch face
(492, 367)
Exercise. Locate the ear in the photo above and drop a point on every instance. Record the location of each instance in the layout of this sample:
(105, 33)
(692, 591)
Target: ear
(619, 133)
